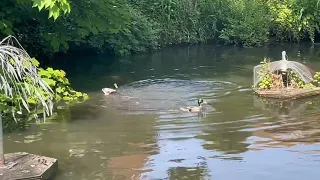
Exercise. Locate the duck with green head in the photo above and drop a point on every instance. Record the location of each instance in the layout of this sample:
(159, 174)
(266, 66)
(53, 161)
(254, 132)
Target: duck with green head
(198, 108)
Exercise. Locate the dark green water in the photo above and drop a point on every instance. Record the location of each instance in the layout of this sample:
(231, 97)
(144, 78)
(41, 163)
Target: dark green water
(142, 134)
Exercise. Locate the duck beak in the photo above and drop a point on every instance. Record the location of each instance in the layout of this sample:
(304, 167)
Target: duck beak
(205, 102)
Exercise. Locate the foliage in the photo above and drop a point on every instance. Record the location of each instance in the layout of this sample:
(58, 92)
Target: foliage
(316, 79)
(309, 15)
(293, 20)
(27, 91)
(61, 92)
(142, 35)
(295, 79)
(183, 21)
(298, 81)
(20, 80)
(123, 27)
(285, 24)
(247, 23)
(106, 25)
(61, 86)
(55, 7)
(266, 81)
(302, 84)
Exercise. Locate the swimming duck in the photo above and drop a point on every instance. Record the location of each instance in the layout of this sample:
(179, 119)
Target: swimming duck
(108, 91)
(198, 108)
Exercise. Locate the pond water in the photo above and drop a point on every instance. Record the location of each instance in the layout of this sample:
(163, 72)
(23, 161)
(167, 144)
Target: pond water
(142, 134)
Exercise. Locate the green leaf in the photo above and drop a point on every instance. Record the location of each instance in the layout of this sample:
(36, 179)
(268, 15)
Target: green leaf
(50, 82)
(58, 97)
(78, 94)
(41, 5)
(37, 3)
(66, 8)
(35, 62)
(50, 14)
(12, 61)
(59, 90)
(66, 98)
(56, 14)
(3, 106)
(32, 101)
(47, 3)
(49, 69)
(85, 96)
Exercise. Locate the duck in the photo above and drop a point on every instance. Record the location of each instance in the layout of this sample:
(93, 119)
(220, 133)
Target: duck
(108, 91)
(197, 109)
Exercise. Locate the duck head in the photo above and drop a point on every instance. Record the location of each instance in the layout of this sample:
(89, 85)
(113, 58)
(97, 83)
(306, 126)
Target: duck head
(201, 101)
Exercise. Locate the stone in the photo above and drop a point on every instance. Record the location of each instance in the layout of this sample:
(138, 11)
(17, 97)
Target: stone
(25, 166)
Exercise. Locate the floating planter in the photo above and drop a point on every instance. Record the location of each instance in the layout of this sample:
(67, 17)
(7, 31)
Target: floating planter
(285, 79)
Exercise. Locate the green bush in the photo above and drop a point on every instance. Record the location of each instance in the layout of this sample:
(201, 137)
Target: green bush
(247, 23)
(62, 93)
(125, 27)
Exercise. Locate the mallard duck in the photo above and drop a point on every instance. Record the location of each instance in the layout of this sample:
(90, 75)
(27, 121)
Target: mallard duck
(108, 91)
(198, 108)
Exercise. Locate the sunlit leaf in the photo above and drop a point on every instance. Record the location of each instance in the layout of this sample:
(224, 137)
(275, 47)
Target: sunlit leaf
(50, 82)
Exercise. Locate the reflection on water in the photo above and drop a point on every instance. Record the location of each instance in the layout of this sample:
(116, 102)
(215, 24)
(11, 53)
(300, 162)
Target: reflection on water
(291, 125)
(282, 107)
(127, 167)
(141, 133)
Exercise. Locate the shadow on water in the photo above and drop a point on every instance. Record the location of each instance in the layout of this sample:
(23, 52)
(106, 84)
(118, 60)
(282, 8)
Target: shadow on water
(141, 133)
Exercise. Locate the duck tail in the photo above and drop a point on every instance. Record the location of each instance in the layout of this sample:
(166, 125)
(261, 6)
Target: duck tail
(184, 109)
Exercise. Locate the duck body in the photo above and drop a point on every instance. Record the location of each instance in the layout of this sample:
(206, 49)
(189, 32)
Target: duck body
(108, 91)
(196, 109)
(193, 109)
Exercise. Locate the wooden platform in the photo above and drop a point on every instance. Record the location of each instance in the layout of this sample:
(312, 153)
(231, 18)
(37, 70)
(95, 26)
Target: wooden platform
(25, 166)
(289, 93)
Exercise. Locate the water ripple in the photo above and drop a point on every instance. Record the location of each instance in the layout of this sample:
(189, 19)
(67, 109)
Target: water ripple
(166, 96)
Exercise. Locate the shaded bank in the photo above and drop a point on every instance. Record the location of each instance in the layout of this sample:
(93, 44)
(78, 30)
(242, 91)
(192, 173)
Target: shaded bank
(102, 71)
(120, 27)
